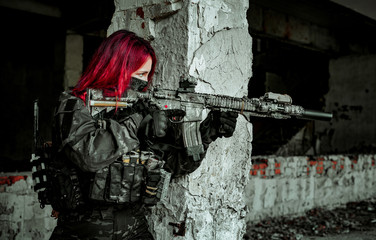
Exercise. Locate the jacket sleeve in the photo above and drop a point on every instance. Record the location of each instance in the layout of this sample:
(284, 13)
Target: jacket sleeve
(88, 144)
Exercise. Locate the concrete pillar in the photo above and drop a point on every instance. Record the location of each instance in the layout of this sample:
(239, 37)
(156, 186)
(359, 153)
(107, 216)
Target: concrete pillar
(352, 99)
(208, 41)
(73, 59)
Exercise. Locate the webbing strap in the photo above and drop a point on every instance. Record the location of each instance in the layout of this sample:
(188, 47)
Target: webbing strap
(68, 117)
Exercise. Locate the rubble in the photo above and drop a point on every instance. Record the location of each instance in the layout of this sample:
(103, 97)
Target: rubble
(320, 222)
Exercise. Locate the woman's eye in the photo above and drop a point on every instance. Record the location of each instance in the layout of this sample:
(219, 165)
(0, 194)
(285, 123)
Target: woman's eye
(141, 74)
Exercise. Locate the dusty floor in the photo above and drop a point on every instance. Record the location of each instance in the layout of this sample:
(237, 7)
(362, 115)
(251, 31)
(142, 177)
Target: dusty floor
(365, 235)
(355, 221)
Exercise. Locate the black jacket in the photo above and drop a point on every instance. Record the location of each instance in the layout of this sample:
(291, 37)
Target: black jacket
(79, 137)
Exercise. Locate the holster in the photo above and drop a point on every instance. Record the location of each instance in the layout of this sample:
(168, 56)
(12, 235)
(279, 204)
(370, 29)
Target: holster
(65, 187)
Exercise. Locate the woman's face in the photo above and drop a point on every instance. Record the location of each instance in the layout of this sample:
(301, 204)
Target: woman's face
(143, 72)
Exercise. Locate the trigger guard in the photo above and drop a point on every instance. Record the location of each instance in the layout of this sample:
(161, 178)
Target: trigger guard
(175, 115)
(175, 121)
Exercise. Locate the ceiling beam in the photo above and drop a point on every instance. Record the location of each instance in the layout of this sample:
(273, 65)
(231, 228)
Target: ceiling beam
(32, 7)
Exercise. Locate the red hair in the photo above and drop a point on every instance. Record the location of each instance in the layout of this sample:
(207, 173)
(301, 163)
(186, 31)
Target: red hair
(113, 63)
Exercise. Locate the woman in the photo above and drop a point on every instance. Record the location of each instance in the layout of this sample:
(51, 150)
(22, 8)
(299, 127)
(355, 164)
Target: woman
(91, 182)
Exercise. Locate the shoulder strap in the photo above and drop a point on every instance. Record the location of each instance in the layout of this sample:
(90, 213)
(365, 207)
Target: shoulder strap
(68, 117)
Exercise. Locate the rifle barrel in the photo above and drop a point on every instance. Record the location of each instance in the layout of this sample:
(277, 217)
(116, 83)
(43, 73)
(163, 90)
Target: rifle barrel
(316, 115)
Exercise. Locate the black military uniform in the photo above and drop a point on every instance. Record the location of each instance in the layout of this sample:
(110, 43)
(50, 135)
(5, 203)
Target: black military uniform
(86, 153)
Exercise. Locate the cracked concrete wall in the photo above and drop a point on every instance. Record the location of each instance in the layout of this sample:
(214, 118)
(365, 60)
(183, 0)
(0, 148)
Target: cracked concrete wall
(207, 41)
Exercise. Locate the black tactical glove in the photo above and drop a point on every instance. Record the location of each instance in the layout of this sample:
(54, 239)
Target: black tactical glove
(217, 124)
(154, 125)
(159, 123)
(120, 115)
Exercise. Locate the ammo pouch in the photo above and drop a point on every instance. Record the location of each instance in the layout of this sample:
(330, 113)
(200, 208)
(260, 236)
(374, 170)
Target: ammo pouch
(129, 180)
(156, 182)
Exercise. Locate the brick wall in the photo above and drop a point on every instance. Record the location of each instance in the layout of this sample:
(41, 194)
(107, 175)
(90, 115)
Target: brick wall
(21, 217)
(292, 185)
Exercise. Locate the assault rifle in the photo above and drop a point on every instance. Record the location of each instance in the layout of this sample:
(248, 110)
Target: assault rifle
(184, 106)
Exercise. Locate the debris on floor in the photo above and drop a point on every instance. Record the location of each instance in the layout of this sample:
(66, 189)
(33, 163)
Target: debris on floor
(354, 216)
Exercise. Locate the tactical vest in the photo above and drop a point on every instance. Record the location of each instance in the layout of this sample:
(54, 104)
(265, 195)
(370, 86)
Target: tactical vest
(136, 176)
